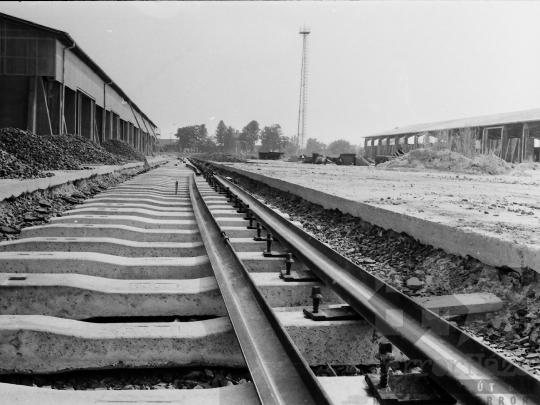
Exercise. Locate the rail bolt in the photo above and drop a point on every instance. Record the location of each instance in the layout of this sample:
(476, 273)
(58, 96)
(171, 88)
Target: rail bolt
(317, 298)
(259, 230)
(288, 263)
(385, 356)
(269, 240)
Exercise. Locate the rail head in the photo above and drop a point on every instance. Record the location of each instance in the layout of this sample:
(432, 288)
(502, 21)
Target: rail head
(280, 374)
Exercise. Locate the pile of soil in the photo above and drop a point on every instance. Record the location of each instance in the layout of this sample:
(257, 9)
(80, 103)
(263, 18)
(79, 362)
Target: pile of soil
(13, 168)
(123, 149)
(447, 160)
(219, 157)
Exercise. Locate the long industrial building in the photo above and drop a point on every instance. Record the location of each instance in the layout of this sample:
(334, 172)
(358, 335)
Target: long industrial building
(49, 85)
(513, 136)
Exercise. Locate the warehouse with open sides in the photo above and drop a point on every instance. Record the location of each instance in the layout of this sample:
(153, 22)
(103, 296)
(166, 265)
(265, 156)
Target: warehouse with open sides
(49, 85)
(514, 137)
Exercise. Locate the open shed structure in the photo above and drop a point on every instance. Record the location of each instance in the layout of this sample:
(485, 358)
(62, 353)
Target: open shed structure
(49, 85)
(514, 137)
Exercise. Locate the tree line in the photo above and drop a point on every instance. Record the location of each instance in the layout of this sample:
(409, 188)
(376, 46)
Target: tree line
(196, 137)
(272, 139)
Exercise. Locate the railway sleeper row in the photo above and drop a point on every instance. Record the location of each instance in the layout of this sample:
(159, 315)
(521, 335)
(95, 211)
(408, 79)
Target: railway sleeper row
(135, 251)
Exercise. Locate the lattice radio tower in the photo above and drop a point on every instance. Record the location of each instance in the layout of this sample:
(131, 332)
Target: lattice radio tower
(302, 109)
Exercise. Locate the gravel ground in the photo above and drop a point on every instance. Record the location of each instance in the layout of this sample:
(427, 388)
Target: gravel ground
(135, 379)
(420, 270)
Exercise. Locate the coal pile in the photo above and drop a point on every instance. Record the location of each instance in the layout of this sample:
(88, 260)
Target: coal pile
(122, 149)
(13, 168)
(36, 151)
(26, 155)
(219, 157)
(84, 150)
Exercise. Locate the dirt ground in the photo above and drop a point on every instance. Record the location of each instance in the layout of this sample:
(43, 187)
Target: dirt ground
(505, 206)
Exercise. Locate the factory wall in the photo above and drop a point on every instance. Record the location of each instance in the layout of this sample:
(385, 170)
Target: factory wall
(42, 92)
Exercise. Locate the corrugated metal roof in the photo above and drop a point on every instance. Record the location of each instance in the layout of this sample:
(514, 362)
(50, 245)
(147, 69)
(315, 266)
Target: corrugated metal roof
(484, 121)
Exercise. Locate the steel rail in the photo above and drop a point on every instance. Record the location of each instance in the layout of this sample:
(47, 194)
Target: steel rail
(280, 374)
(455, 360)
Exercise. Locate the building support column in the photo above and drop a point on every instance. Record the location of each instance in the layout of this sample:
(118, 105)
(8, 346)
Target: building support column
(32, 101)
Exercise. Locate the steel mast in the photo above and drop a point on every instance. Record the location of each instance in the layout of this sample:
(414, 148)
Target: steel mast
(302, 109)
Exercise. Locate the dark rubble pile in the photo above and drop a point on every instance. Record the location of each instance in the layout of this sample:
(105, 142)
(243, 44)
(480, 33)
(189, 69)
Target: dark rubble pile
(13, 168)
(35, 150)
(123, 149)
(219, 157)
(29, 155)
(84, 150)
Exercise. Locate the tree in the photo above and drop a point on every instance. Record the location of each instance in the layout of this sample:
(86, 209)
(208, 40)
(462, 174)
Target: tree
(228, 138)
(314, 146)
(220, 134)
(250, 135)
(271, 138)
(340, 146)
(208, 145)
(192, 136)
(290, 145)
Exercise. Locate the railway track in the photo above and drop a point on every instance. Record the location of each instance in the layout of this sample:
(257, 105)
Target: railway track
(98, 288)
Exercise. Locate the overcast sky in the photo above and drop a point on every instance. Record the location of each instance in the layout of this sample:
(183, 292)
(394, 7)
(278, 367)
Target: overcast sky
(373, 66)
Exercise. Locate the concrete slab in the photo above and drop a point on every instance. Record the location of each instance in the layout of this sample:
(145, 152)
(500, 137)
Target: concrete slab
(144, 223)
(243, 394)
(42, 344)
(227, 213)
(256, 263)
(111, 231)
(181, 202)
(250, 245)
(143, 213)
(335, 342)
(281, 293)
(151, 207)
(111, 246)
(109, 266)
(75, 296)
(352, 390)
(123, 196)
(231, 221)
(239, 232)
